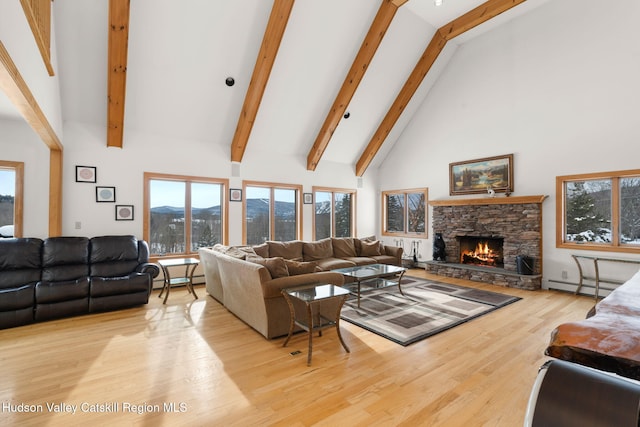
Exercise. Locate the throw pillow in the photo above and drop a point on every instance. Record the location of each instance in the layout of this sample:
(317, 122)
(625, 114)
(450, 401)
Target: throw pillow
(370, 248)
(286, 250)
(276, 266)
(262, 250)
(297, 267)
(343, 247)
(321, 249)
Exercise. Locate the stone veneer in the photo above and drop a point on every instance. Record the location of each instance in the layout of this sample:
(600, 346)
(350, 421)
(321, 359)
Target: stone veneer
(518, 220)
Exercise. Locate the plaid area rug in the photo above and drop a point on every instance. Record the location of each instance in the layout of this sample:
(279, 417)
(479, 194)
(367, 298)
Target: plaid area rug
(427, 308)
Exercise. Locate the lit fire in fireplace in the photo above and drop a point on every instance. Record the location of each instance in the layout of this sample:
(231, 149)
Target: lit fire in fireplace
(481, 254)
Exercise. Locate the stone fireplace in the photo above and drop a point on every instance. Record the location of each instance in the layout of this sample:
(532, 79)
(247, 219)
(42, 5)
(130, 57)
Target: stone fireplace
(484, 237)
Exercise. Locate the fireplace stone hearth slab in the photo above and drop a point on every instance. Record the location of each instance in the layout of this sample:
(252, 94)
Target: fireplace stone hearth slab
(493, 275)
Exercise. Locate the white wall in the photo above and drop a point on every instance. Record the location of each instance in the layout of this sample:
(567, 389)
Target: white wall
(124, 169)
(558, 88)
(19, 143)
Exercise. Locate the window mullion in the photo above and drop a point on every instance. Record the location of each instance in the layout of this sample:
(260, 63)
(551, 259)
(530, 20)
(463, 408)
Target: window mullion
(272, 213)
(615, 211)
(187, 217)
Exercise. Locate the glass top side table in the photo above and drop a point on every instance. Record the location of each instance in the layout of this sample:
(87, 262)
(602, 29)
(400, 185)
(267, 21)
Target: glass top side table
(309, 298)
(190, 265)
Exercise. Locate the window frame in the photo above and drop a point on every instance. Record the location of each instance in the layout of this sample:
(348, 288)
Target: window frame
(615, 245)
(405, 215)
(272, 186)
(333, 191)
(187, 179)
(18, 198)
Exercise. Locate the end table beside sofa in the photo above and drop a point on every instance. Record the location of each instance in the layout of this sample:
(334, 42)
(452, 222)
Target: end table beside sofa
(248, 280)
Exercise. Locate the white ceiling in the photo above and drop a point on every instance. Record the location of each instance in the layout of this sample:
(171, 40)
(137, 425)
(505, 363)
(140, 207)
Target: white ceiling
(181, 52)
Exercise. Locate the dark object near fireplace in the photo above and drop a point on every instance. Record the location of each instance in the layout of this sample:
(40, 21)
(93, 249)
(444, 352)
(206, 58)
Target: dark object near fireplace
(439, 253)
(524, 265)
(485, 251)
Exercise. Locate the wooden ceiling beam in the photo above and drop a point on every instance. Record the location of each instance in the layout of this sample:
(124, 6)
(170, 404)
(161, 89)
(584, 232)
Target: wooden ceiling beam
(273, 35)
(377, 30)
(38, 13)
(477, 16)
(460, 25)
(16, 89)
(117, 70)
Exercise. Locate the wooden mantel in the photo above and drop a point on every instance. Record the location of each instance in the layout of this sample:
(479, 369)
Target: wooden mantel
(518, 200)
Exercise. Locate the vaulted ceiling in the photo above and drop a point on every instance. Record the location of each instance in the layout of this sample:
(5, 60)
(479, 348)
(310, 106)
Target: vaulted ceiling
(299, 67)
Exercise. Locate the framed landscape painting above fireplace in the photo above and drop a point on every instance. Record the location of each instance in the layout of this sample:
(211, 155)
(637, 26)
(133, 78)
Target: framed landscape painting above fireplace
(481, 175)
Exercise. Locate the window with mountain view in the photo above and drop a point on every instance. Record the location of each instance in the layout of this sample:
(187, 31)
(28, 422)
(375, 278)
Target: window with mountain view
(333, 213)
(600, 211)
(183, 213)
(404, 213)
(271, 212)
(11, 178)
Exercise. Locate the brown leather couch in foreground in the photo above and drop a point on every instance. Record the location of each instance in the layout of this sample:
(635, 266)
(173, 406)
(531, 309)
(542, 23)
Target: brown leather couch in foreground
(609, 339)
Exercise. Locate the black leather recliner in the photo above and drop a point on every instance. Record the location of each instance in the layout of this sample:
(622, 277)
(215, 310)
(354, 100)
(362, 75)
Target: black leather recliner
(20, 270)
(66, 276)
(120, 273)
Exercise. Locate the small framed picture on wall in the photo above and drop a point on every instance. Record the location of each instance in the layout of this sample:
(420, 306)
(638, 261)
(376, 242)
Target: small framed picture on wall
(235, 195)
(105, 194)
(307, 198)
(124, 212)
(86, 174)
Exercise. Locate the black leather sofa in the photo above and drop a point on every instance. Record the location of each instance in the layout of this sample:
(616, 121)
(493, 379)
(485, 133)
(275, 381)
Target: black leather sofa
(67, 276)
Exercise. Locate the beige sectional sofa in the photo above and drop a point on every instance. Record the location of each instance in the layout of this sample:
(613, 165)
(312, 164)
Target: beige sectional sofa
(248, 280)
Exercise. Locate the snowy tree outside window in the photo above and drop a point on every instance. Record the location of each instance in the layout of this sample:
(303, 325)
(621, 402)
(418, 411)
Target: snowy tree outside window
(404, 212)
(601, 210)
(333, 213)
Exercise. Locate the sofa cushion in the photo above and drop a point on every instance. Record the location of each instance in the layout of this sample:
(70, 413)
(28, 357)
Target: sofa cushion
(298, 267)
(288, 250)
(113, 256)
(321, 249)
(385, 259)
(362, 260)
(343, 247)
(106, 286)
(239, 252)
(49, 292)
(333, 263)
(368, 249)
(17, 298)
(65, 259)
(276, 265)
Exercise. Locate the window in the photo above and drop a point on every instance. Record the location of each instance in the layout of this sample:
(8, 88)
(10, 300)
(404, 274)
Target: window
(271, 212)
(334, 213)
(183, 213)
(404, 213)
(599, 211)
(11, 187)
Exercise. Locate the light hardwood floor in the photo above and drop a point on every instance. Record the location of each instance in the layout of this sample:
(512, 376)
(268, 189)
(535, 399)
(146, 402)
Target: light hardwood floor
(215, 370)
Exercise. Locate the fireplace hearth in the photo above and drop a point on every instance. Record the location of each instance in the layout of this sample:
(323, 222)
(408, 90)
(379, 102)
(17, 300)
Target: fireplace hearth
(485, 251)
